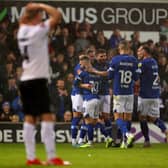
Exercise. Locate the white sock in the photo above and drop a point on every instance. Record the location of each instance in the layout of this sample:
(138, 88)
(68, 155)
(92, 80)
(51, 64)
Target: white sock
(90, 142)
(73, 141)
(48, 138)
(29, 140)
(80, 141)
(128, 134)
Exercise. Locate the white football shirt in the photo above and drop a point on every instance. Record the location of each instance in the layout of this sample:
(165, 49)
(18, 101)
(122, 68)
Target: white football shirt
(33, 45)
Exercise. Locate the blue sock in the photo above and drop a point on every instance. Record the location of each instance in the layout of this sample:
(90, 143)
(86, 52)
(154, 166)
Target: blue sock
(145, 130)
(122, 125)
(158, 122)
(83, 130)
(90, 131)
(129, 123)
(108, 127)
(102, 128)
(74, 127)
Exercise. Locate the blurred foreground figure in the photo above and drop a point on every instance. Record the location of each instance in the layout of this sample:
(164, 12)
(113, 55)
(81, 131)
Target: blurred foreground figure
(33, 44)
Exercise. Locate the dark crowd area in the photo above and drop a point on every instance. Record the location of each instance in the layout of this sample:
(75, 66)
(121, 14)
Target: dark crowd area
(65, 44)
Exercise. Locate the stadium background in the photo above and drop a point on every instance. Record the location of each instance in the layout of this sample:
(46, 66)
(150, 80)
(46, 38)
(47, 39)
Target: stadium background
(148, 18)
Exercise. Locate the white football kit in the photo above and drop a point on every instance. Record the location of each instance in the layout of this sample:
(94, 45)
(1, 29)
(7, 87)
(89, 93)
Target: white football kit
(33, 44)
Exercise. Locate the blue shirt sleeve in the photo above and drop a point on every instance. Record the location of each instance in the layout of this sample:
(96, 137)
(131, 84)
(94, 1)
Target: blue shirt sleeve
(111, 69)
(78, 79)
(138, 71)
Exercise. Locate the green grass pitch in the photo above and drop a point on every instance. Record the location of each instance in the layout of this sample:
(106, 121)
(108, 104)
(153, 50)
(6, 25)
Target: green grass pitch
(13, 156)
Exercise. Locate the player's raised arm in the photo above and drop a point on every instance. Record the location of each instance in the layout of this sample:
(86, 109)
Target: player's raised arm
(54, 14)
(97, 72)
(32, 14)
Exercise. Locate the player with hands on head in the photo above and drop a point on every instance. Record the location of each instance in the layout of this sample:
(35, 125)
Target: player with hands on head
(33, 44)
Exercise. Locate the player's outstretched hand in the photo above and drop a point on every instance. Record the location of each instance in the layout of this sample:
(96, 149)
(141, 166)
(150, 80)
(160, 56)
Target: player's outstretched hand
(89, 68)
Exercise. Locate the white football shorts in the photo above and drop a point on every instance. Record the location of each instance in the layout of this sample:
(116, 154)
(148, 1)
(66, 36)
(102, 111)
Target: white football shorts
(123, 103)
(92, 108)
(149, 107)
(105, 103)
(77, 103)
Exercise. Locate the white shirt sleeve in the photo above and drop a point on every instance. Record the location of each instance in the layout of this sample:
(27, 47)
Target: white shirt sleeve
(40, 31)
(43, 28)
(47, 25)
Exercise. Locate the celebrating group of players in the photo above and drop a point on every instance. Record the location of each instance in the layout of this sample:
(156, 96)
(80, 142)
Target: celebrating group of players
(91, 99)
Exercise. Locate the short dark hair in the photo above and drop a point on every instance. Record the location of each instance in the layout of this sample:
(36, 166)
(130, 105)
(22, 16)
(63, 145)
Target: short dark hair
(100, 51)
(89, 50)
(147, 49)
